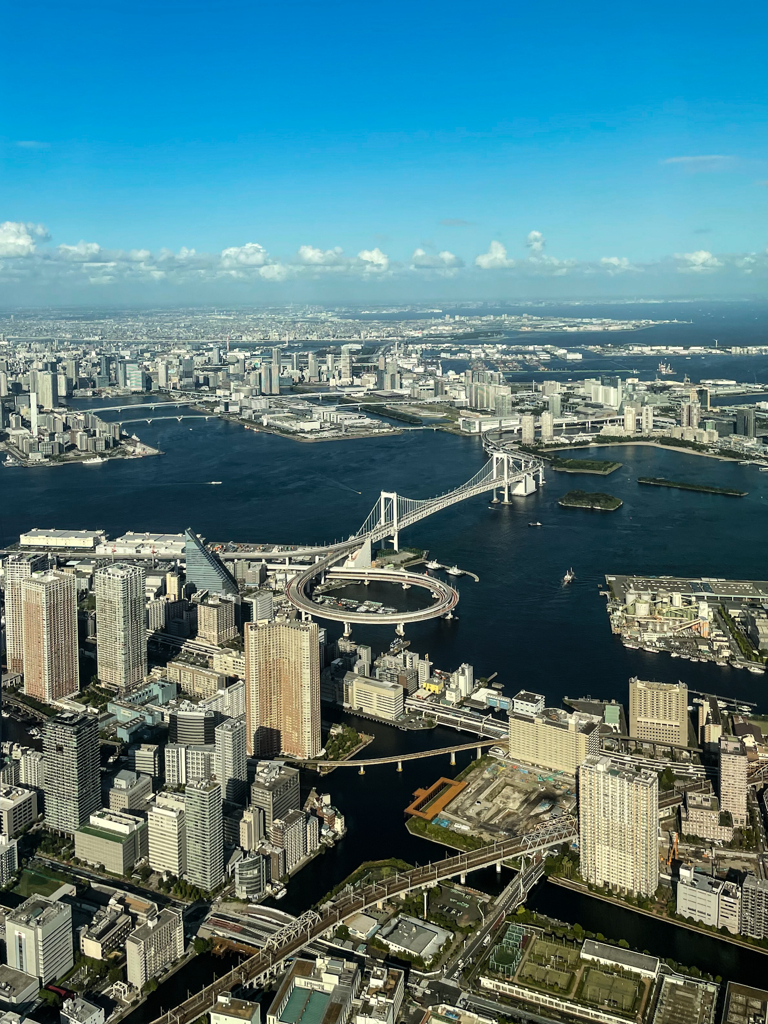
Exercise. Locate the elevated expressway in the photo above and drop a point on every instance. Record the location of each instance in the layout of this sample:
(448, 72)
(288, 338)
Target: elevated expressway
(313, 924)
(367, 762)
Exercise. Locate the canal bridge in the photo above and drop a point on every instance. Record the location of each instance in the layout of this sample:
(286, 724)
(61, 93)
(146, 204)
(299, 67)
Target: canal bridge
(368, 762)
(313, 924)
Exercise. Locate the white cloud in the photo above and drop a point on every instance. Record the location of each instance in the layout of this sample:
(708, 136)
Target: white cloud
(83, 252)
(697, 262)
(310, 256)
(535, 241)
(617, 265)
(18, 239)
(249, 255)
(495, 258)
(445, 261)
(374, 260)
(711, 162)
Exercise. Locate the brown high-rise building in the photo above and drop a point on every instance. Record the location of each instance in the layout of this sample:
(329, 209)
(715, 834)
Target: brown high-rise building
(49, 619)
(282, 686)
(17, 569)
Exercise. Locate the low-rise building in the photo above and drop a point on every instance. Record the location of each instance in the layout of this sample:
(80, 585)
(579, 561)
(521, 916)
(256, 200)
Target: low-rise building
(375, 697)
(153, 947)
(81, 1011)
(17, 989)
(228, 1010)
(382, 997)
(113, 840)
(702, 817)
(698, 896)
(528, 704)
(413, 937)
(319, 991)
(107, 931)
(130, 791)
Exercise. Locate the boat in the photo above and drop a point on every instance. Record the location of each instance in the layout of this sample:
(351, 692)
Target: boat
(569, 577)
(93, 462)
(455, 571)
(756, 670)
(434, 565)
(665, 369)
(12, 462)
(763, 469)
(213, 483)
(537, 523)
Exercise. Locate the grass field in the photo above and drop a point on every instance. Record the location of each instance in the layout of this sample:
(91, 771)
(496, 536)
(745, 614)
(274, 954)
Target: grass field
(39, 881)
(609, 990)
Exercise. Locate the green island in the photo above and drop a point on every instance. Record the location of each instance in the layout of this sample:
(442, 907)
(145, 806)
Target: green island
(658, 481)
(602, 467)
(596, 500)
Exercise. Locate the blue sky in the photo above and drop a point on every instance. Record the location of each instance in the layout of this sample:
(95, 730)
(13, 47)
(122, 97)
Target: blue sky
(631, 139)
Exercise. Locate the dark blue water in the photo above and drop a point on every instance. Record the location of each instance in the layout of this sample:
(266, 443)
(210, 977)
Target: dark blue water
(518, 620)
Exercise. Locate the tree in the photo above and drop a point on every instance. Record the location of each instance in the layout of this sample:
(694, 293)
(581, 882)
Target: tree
(115, 974)
(342, 933)
(149, 986)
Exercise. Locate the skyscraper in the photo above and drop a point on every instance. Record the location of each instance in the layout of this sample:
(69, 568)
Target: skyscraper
(618, 826)
(282, 684)
(72, 779)
(17, 568)
(49, 626)
(48, 390)
(205, 834)
(121, 636)
(204, 570)
(658, 711)
(231, 760)
(733, 779)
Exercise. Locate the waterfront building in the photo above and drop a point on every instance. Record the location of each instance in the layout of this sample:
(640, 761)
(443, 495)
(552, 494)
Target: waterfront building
(373, 697)
(231, 761)
(204, 571)
(72, 771)
(153, 947)
(733, 779)
(754, 907)
(250, 877)
(282, 681)
(38, 938)
(323, 988)
(9, 861)
(698, 896)
(618, 826)
(527, 704)
(80, 1011)
(18, 809)
(658, 711)
(167, 834)
(113, 840)
(298, 834)
(205, 834)
(17, 569)
(49, 624)
(121, 636)
(275, 790)
(554, 739)
(229, 1010)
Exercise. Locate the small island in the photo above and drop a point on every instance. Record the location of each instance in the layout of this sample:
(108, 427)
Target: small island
(657, 481)
(597, 500)
(602, 467)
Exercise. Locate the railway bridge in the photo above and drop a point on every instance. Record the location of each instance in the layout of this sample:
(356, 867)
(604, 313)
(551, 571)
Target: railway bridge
(313, 924)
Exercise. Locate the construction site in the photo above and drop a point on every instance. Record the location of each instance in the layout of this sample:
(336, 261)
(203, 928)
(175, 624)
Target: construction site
(499, 798)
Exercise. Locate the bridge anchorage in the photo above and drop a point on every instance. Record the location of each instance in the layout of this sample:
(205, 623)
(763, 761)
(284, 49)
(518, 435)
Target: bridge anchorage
(508, 471)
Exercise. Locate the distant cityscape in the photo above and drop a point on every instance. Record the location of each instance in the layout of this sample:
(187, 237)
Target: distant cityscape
(172, 703)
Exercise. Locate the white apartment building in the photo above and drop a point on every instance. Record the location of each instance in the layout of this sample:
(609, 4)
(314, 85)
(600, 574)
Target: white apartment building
(121, 638)
(153, 947)
(167, 832)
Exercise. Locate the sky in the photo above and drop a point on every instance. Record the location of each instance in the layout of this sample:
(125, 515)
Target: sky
(176, 151)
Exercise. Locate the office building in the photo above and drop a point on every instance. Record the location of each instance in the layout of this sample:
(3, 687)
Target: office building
(189, 723)
(733, 779)
(205, 834)
(698, 896)
(275, 790)
(48, 390)
(554, 739)
(49, 626)
(215, 619)
(9, 861)
(121, 636)
(204, 571)
(145, 759)
(130, 791)
(282, 680)
(231, 763)
(250, 877)
(745, 422)
(112, 840)
(38, 938)
(373, 697)
(18, 809)
(72, 776)
(153, 947)
(658, 711)
(618, 826)
(754, 907)
(167, 834)
(323, 988)
(17, 569)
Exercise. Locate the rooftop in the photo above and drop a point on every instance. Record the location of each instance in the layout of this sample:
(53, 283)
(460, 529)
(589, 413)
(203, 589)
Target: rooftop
(632, 961)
